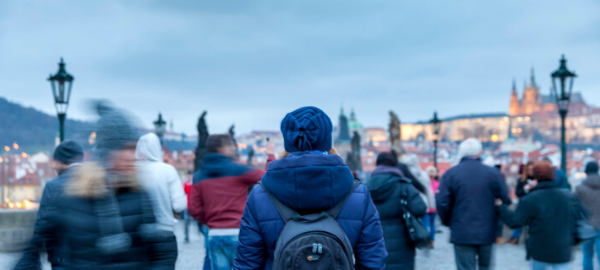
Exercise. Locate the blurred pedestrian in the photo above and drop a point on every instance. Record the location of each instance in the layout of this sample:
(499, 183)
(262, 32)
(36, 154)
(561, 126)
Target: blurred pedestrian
(560, 178)
(550, 214)
(310, 179)
(589, 194)
(412, 162)
(218, 197)
(105, 217)
(429, 219)
(187, 188)
(465, 203)
(387, 187)
(524, 184)
(67, 156)
(163, 184)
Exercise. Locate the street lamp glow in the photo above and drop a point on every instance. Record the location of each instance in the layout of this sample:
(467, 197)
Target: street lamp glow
(15, 146)
(24, 155)
(6, 148)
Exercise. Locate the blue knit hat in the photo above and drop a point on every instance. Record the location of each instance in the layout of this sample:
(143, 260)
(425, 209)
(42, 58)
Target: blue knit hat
(307, 129)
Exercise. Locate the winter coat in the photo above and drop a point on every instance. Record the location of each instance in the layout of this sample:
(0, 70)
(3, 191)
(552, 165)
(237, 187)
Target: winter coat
(160, 180)
(43, 234)
(589, 193)
(220, 190)
(309, 182)
(74, 220)
(466, 201)
(412, 162)
(386, 186)
(549, 213)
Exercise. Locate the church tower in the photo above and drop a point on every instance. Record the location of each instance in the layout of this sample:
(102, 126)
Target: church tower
(344, 131)
(515, 104)
(531, 97)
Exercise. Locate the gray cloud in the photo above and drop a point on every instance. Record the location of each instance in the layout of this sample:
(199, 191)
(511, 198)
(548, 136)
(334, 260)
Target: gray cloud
(250, 62)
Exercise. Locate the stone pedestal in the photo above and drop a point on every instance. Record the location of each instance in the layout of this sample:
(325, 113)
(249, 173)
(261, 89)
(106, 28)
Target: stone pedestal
(16, 228)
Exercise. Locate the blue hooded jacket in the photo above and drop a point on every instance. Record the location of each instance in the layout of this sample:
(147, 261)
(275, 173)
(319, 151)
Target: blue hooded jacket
(309, 182)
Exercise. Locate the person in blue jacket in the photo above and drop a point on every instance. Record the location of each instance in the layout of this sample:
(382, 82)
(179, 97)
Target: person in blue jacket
(310, 177)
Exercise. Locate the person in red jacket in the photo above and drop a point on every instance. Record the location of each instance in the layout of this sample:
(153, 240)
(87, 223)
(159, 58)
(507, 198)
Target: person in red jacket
(218, 197)
(187, 188)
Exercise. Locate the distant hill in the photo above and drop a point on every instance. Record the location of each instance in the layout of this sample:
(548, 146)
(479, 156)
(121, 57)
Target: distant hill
(34, 130)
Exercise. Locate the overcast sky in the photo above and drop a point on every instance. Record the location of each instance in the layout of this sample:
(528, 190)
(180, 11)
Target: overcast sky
(250, 62)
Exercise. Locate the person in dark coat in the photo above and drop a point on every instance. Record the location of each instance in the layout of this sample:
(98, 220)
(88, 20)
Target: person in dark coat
(589, 194)
(309, 178)
(104, 217)
(386, 186)
(67, 156)
(465, 203)
(548, 211)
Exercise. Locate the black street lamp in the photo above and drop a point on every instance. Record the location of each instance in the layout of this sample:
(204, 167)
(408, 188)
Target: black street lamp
(159, 127)
(564, 78)
(436, 132)
(61, 83)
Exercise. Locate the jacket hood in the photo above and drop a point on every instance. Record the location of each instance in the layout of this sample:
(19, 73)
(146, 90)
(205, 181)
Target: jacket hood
(217, 165)
(592, 181)
(382, 182)
(148, 148)
(309, 180)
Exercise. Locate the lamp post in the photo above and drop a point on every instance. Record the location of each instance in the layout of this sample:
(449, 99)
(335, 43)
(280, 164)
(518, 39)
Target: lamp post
(159, 127)
(564, 78)
(436, 122)
(61, 83)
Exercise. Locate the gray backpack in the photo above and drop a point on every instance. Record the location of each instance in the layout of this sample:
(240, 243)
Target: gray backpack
(314, 241)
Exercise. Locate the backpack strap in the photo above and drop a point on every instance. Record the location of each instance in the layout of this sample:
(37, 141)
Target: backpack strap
(285, 212)
(338, 207)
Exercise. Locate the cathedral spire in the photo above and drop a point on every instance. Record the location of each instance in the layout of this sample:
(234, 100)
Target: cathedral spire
(532, 79)
(514, 87)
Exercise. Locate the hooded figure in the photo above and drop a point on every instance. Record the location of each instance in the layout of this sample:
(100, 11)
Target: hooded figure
(160, 180)
(386, 186)
(412, 161)
(310, 178)
(105, 218)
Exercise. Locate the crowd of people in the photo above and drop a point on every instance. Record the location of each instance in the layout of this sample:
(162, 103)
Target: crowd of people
(307, 210)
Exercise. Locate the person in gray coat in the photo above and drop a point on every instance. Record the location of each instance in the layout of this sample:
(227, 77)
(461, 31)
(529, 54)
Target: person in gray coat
(589, 193)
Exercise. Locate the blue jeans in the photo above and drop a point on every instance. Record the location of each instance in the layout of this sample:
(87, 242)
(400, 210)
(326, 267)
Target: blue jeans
(516, 233)
(429, 222)
(588, 252)
(221, 251)
(537, 265)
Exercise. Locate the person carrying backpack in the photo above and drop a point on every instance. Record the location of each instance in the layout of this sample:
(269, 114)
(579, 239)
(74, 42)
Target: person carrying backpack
(333, 218)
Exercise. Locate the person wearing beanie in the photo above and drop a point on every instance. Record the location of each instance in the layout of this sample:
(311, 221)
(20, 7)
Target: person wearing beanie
(589, 194)
(67, 156)
(387, 185)
(465, 203)
(309, 178)
(549, 211)
(104, 216)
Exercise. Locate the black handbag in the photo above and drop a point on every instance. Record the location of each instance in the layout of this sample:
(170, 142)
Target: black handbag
(416, 230)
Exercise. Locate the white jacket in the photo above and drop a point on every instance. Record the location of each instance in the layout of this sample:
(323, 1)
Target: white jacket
(412, 162)
(160, 180)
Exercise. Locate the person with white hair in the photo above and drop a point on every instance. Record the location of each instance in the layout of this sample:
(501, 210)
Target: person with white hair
(466, 203)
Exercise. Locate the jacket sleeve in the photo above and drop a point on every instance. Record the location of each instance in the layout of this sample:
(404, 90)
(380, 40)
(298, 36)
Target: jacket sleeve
(520, 188)
(445, 199)
(370, 250)
(43, 231)
(252, 177)
(252, 250)
(416, 205)
(178, 197)
(501, 188)
(517, 219)
(196, 206)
